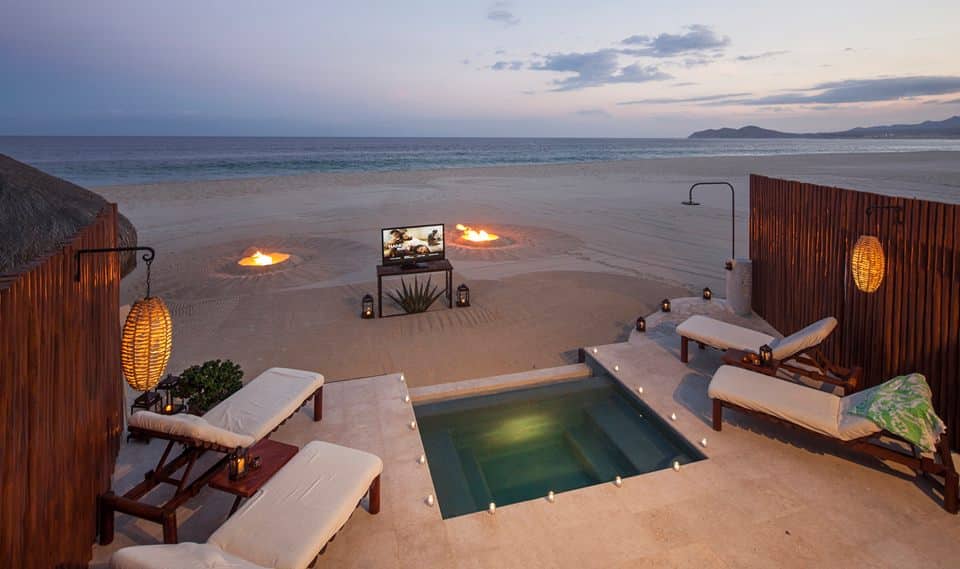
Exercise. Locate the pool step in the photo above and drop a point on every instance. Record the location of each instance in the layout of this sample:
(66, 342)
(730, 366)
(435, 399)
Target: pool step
(476, 480)
(449, 479)
(584, 445)
(646, 451)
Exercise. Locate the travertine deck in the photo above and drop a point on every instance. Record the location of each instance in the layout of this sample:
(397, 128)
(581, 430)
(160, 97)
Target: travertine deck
(766, 496)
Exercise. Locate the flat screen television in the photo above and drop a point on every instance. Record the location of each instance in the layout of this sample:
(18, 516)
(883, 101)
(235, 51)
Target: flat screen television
(412, 245)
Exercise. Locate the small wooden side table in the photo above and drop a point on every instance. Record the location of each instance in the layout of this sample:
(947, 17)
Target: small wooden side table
(273, 455)
(737, 358)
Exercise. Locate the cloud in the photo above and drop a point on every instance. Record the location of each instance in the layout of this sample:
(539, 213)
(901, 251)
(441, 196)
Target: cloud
(696, 39)
(500, 13)
(947, 102)
(592, 69)
(592, 113)
(465, 61)
(504, 65)
(670, 100)
(685, 84)
(863, 91)
(763, 55)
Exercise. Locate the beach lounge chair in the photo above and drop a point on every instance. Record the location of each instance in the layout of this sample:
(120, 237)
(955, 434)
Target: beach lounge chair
(287, 524)
(247, 416)
(827, 416)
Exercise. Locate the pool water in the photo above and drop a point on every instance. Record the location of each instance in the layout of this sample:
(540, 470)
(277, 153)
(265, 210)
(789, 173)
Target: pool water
(519, 445)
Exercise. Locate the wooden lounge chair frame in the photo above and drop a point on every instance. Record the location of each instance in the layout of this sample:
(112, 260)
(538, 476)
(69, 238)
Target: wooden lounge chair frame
(871, 445)
(166, 514)
(816, 366)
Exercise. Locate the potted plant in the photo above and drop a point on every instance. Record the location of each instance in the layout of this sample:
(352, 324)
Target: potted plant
(205, 385)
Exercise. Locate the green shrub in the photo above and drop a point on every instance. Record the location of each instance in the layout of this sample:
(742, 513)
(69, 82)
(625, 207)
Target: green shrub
(205, 385)
(417, 298)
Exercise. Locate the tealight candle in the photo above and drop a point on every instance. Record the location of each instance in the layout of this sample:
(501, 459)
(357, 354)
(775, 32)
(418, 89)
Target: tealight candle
(413, 425)
(422, 459)
(703, 441)
(402, 378)
(616, 368)
(640, 389)
(406, 399)
(551, 497)
(618, 482)
(676, 465)
(673, 416)
(492, 508)
(430, 500)
(168, 408)
(594, 350)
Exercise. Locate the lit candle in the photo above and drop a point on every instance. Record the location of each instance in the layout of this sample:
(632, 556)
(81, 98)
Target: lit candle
(673, 416)
(551, 497)
(406, 399)
(168, 408)
(430, 500)
(640, 389)
(492, 508)
(402, 378)
(594, 350)
(703, 441)
(413, 425)
(616, 368)
(422, 459)
(618, 482)
(676, 465)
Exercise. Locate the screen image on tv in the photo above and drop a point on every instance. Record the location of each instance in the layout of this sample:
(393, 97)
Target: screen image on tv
(409, 245)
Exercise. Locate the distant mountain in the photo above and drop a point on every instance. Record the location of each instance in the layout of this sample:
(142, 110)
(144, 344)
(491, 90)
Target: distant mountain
(949, 128)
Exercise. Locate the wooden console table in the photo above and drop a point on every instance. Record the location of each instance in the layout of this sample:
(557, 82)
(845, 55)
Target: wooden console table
(442, 265)
(273, 455)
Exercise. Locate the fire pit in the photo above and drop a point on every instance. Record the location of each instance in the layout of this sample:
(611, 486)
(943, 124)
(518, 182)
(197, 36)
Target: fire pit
(255, 258)
(471, 237)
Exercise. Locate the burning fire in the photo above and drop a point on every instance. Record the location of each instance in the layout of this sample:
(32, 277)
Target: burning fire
(258, 259)
(471, 234)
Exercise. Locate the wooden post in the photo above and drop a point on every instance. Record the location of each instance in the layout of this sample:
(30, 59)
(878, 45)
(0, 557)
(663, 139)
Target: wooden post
(684, 349)
(318, 404)
(717, 415)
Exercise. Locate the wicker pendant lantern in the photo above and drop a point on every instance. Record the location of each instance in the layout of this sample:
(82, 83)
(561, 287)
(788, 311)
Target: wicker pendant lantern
(867, 263)
(146, 341)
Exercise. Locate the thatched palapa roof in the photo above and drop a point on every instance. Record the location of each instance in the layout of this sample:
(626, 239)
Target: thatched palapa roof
(39, 212)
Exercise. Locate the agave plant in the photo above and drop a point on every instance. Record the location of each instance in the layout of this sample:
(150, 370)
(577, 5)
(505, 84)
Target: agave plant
(417, 298)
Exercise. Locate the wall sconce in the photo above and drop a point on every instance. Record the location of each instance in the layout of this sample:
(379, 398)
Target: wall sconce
(641, 324)
(237, 465)
(867, 262)
(707, 293)
(366, 310)
(766, 355)
(665, 305)
(463, 295)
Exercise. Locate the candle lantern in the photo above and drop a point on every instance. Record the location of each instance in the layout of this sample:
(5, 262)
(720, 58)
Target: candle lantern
(237, 464)
(463, 295)
(707, 293)
(766, 354)
(665, 305)
(366, 310)
(641, 324)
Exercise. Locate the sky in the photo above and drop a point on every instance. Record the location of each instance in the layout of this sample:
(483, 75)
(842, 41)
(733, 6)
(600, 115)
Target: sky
(459, 68)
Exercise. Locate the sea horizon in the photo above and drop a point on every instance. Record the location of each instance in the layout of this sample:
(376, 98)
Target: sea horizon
(109, 160)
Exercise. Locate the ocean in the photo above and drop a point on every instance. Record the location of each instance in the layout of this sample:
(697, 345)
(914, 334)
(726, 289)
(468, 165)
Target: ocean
(105, 161)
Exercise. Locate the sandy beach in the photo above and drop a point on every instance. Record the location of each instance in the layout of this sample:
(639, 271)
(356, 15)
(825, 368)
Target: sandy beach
(591, 246)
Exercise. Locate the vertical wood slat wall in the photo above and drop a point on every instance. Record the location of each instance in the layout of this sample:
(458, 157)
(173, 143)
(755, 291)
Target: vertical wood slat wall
(61, 400)
(801, 238)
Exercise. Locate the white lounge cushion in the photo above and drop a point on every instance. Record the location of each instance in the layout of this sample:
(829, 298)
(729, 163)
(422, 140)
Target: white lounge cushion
(190, 426)
(808, 337)
(809, 408)
(288, 522)
(179, 556)
(722, 335)
(265, 402)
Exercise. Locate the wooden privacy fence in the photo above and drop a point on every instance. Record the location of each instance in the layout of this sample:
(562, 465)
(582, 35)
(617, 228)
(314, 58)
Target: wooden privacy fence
(61, 400)
(801, 238)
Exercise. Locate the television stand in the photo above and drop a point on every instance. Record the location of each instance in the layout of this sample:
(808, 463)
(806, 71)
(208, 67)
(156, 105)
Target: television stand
(438, 266)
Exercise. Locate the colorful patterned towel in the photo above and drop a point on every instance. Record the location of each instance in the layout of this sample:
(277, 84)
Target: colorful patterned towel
(904, 407)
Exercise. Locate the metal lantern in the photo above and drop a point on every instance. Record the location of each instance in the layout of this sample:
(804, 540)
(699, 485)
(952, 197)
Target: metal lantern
(641, 324)
(146, 343)
(665, 305)
(766, 354)
(463, 295)
(237, 464)
(707, 293)
(867, 263)
(366, 310)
